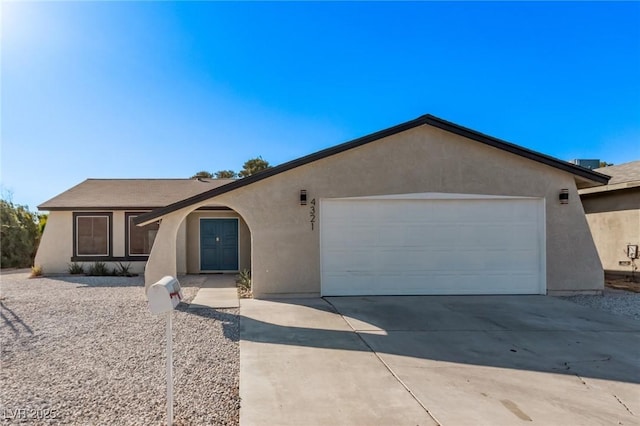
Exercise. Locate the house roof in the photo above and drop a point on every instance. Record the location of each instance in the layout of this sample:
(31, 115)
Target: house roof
(119, 194)
(584, 177)
(623, 176)
(627, 172)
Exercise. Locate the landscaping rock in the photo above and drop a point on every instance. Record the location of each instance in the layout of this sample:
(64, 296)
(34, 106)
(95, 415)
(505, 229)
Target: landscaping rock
(86, 350)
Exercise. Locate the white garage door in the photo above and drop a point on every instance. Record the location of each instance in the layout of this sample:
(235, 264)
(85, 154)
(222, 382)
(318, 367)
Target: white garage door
(432, 244)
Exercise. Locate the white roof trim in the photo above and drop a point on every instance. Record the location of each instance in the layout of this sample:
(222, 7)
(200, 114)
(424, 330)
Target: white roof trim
(432, 196)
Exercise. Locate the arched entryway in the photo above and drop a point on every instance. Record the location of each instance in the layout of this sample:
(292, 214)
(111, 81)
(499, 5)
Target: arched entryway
(200, 239)
(217, 240)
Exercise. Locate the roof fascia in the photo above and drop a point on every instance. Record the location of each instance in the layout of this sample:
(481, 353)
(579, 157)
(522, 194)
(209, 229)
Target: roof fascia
(518, 150)
(120, 208)
(95, 208)
(610, 188)
(428, 119)
(278, 169)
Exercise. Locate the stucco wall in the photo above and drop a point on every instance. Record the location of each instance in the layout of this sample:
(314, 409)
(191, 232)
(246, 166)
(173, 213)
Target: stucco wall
(118, 234)
(56, 246)
(193, 238)
(614, 220)
(285, 252)
(181, 249)
(55, 249)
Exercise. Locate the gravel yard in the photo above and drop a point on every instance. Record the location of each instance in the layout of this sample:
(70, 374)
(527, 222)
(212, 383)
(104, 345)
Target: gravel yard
(86, 350)
(617, 302)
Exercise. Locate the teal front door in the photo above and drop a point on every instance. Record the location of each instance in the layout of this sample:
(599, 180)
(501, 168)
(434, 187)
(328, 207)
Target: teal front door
(218, 244)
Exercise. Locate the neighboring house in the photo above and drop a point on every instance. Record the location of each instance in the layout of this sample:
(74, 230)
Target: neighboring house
(613, 214)
(424, 207)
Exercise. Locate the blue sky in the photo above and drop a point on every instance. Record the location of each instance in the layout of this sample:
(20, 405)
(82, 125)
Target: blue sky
(165, 89)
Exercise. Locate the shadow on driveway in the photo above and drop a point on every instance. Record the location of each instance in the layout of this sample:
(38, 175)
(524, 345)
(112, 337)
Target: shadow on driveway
(429, 360)
(537, 333)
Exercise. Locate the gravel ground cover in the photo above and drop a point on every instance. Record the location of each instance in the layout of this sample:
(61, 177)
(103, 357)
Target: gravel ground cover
(617, 302)
(86, 350)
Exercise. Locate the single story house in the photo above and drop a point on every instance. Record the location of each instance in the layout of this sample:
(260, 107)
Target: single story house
(613, 214)
(93, 221)
(424, 207)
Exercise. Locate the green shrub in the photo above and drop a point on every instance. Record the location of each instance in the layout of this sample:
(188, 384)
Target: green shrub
(19, 235)
(123, 270)
(76, 268)
(99, 269)
(42, 222)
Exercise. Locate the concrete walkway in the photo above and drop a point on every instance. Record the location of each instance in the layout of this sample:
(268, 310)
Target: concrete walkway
(217, 291)
(487, 360)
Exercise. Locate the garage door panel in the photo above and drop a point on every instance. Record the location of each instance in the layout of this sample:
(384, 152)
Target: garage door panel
(357, 284)
(416, 259)
(453, 246)
(391, 236)
(387, 212)
(417, 234)
(392, 258)
(346, 261)
(444, 235)
(363, 212)
(522, 234)
(332, 235)
(525, 211)
(364, 235)
(485, 236)
(363, 284)
(499, 262)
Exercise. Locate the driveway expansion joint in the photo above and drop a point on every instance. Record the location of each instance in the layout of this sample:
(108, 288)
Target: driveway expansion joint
(623, 404)
(403, 384)
(343, 360)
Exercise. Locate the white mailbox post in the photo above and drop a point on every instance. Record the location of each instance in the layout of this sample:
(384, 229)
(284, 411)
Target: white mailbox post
(163, 297)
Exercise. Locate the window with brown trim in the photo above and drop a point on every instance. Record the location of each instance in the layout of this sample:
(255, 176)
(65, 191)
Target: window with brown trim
(92, 234)
(140, 238)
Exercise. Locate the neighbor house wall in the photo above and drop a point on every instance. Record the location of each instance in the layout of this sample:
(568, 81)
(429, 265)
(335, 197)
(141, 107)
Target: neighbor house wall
(614, 220)
(193, 238)
(286, 250)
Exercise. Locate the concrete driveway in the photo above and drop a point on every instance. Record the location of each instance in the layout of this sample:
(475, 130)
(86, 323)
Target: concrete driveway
(449, 360)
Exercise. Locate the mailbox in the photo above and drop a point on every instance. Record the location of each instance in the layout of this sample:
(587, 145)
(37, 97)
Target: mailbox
(164, 295)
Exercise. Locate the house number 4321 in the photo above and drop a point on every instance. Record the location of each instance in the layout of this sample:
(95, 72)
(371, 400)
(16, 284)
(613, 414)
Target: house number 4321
(312, 213)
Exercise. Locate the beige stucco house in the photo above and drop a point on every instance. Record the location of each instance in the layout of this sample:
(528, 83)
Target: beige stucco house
(93, 221)
(424, 207)
(613, 214)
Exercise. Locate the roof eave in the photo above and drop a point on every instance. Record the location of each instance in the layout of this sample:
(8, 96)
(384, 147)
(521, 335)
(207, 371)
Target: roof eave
(428, 119)
(597, 178)
(95, 208)
(610, 188)
(146, 218)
